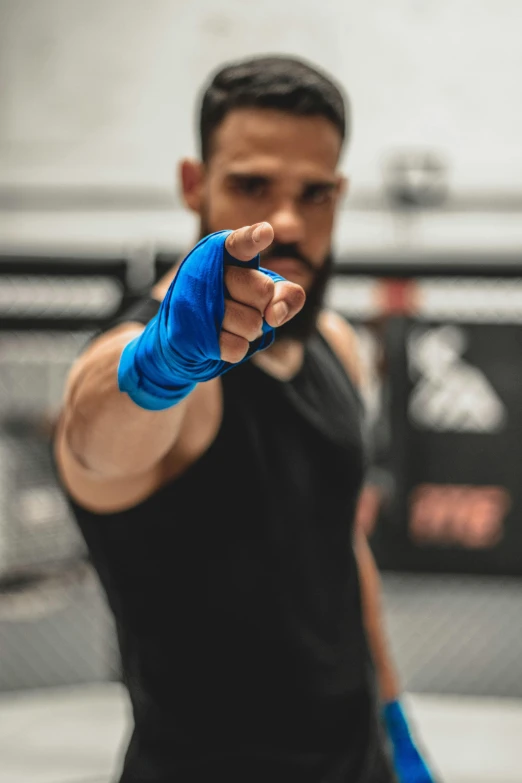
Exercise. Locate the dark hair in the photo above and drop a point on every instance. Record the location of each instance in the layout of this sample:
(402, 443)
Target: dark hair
(275, 82)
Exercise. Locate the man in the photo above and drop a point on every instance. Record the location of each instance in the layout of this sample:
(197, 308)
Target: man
(216, 483)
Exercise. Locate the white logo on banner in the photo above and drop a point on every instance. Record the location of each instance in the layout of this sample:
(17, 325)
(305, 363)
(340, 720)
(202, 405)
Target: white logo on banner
(451, 394)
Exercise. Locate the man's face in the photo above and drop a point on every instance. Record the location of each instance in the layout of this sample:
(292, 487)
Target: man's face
(267, 165)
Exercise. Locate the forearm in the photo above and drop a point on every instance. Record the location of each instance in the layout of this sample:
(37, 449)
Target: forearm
(388, 681)
(103, 428)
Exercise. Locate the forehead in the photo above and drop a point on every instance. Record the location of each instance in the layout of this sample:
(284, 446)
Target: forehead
(269, 139)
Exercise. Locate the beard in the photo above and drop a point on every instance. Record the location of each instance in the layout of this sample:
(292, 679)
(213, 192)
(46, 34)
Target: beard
(302, 325)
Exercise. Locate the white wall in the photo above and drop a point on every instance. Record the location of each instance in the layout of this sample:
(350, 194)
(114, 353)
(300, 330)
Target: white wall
(102, 91)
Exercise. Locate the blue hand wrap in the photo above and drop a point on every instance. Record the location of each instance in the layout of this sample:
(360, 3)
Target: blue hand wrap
(409, 764)
(180, 346)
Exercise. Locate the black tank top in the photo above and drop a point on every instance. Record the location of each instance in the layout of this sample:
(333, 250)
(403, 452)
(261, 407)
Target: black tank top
(236, 595)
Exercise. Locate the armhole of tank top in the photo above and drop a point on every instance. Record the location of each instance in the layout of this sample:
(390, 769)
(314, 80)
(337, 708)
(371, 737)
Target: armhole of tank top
(141, 312)
(356, 392)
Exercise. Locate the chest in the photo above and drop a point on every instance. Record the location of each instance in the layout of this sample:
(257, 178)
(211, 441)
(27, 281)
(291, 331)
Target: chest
(304, 439)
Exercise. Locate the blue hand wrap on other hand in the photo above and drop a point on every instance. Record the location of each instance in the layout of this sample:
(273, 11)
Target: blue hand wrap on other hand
(180, 346)
(408, 762)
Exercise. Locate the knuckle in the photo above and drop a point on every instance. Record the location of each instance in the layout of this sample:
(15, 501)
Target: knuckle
(242, 320)
(238, 243)
(253, 322)
(266, 287)
(233, 348)
(257, 323)
(230, 311)
(231, 242)
(229, 275)
(234, 276)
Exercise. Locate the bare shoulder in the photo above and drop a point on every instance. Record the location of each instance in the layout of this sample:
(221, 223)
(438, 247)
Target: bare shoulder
(343, 340)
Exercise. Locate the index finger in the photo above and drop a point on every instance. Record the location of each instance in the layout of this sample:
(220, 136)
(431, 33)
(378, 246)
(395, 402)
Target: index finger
(245, 243)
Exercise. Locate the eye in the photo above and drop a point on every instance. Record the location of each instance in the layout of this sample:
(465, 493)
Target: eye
(252, 187)
(317, 194)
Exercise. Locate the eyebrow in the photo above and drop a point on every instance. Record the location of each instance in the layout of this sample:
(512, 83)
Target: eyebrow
(311, 184)
(243, 177)
(319, 185)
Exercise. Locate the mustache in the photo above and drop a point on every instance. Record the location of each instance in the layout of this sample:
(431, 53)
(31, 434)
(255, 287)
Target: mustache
(280, 250)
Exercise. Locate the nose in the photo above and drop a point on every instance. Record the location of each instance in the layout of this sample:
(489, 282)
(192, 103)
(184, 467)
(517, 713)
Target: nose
(288, 224)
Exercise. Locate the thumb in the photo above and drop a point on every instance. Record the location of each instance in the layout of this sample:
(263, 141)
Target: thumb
(245, 243)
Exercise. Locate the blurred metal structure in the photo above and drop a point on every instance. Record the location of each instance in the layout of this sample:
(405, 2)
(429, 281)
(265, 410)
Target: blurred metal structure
(415, 180)
(455, 634)
(441, 338)
(55, 628)
(442, 335)
(48, 311)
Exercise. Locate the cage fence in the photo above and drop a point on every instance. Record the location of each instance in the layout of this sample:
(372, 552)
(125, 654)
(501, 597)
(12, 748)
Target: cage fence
(443, 390)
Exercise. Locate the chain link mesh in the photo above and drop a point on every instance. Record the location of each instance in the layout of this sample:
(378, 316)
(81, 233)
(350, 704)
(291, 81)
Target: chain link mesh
(449, 634)
(456, 634)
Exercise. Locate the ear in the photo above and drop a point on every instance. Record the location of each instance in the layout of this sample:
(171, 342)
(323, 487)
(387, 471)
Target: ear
(191, 176)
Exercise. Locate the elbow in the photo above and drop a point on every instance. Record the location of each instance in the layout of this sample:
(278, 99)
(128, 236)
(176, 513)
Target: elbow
(105, 459)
